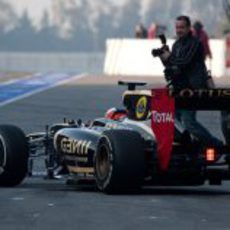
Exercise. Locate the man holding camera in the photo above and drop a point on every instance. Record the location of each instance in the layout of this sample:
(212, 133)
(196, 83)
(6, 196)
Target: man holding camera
(185, 68)
(185, 65)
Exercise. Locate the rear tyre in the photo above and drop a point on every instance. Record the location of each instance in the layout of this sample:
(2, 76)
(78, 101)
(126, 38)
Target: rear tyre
(119, 161)
(13, 155)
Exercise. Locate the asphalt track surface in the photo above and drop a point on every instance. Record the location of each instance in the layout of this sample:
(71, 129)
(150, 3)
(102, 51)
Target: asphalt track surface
(44, 204)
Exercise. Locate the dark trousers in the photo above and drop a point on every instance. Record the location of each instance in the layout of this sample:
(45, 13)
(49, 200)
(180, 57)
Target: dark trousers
(190, 123)
(225, 125)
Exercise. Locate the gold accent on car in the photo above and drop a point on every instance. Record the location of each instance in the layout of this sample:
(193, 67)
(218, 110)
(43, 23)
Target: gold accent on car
(76, 169)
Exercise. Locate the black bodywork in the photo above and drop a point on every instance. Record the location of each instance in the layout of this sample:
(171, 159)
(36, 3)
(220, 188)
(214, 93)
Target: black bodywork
(121, 151)
(73, 145)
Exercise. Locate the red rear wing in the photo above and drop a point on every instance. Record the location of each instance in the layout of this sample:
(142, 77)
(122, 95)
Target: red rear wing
(163, 105)
(163, 112)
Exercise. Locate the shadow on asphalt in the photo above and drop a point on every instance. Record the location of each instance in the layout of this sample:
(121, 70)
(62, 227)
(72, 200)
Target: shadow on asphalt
(194, 191)
(60, 186)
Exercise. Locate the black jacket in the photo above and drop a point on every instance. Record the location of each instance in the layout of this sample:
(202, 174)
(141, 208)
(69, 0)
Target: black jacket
(187, 58)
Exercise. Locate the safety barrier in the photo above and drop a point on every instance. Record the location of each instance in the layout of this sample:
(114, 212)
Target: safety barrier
(132, 57)
(52, 62)
(227, 55)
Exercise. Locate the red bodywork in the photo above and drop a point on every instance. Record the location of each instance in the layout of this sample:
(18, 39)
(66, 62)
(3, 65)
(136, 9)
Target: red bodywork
(161, 105)
(163, 113)
(115, 114)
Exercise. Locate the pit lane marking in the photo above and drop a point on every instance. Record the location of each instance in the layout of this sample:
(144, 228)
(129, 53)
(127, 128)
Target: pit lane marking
(15, 90)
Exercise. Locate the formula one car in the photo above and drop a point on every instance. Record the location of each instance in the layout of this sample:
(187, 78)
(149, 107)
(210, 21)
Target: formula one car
(142, 144)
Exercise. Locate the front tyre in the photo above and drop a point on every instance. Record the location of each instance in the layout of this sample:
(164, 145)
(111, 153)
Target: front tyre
(119, 161)
(13, 155)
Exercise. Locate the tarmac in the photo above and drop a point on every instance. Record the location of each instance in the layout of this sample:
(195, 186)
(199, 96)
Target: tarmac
(44, 204)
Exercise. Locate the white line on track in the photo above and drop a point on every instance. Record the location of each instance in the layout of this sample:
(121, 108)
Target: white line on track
(77, 77)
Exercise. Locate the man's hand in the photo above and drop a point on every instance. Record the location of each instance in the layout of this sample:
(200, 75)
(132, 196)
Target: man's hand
(171, 71)
(165, 55)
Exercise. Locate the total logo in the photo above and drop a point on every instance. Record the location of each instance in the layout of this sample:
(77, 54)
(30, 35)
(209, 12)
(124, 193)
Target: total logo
(164, 117)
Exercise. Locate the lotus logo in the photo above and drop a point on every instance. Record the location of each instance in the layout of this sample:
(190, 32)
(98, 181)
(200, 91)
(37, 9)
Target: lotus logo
(141, 107)
(188, 93)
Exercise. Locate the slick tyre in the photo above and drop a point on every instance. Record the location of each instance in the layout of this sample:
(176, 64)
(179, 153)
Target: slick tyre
(119, 161)
(13, 155)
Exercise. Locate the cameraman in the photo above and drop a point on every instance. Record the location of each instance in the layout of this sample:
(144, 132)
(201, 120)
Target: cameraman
(185, 68)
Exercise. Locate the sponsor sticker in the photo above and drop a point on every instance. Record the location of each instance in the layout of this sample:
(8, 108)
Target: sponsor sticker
(163, 110)
(71, 146)
(164, 117)
(141, 107)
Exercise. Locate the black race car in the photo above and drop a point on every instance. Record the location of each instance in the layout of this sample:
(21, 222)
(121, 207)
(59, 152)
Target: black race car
(142, 144)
